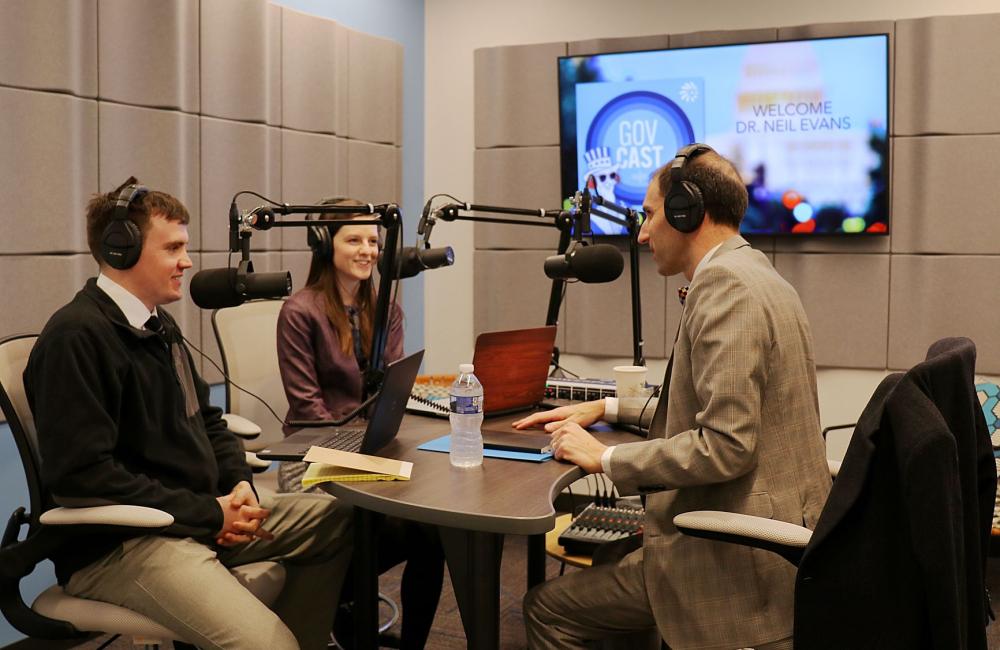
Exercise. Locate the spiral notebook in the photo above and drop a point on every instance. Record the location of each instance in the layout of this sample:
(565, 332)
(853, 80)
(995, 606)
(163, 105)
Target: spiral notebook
(436, 407)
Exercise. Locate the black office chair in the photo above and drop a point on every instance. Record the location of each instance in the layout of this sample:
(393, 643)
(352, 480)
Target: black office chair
(55, 614)
(898, 557)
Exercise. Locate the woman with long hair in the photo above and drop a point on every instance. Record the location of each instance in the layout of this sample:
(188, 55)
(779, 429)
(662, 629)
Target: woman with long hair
(324, 338)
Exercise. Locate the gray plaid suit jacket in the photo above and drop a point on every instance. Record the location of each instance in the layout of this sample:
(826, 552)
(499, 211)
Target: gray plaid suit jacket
(739, 431)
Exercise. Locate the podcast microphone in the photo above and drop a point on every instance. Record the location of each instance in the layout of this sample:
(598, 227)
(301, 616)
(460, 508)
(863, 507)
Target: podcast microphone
(219, 288)
(593, 264)
(413, 260)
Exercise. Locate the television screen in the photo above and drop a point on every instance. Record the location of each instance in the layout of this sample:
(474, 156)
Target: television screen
(805, 122)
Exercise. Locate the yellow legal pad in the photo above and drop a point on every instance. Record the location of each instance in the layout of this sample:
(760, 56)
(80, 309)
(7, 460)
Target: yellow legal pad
(327, 465)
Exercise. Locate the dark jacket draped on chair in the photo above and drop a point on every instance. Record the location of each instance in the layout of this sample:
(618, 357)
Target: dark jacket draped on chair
(898, 556)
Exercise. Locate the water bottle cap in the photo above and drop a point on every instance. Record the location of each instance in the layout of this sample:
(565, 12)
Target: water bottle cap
(466, 368)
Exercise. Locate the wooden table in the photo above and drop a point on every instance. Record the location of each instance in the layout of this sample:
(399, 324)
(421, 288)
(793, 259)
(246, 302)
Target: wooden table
(474, 509)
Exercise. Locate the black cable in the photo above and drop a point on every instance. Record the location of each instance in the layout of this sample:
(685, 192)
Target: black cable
(259, 196)
(291, 423)
(655, 393)
(558, 367)
(223, 373)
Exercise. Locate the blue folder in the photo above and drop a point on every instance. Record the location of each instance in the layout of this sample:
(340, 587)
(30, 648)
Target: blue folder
(444, 444)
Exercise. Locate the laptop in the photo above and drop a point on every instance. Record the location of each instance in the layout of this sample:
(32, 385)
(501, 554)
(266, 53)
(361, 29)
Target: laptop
(512, 366)
(386, 416)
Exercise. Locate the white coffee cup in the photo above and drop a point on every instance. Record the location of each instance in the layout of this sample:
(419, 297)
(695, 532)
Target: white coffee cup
(630, 381)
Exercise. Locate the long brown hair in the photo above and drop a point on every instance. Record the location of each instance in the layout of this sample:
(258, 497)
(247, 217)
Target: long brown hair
(323, 279)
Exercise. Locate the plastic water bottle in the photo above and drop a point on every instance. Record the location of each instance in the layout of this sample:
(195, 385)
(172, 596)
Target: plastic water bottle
(466, 401)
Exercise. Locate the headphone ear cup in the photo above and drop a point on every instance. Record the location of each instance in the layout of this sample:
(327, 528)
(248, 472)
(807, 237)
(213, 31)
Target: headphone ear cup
(318, 238)
(684, 207)
(121, 244)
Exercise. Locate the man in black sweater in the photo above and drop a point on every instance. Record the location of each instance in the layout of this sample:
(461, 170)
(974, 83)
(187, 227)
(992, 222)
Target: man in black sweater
(124, 418)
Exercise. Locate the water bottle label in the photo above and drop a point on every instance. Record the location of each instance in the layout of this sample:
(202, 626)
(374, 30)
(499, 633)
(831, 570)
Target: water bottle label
(466, 404)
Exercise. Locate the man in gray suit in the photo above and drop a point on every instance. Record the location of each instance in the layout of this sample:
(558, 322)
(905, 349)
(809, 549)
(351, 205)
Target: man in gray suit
(738, 431)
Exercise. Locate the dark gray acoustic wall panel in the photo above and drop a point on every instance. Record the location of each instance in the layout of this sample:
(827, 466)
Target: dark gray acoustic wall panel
(516, 292)
(599, 316)
(946, 75)
(946, 194)
(846, 298)
(723, 37)
(160, 148)
(933, 296)
(44, 284)
(514, 95)
(148, 53)
(623, 44)
(313, 166)
(876, 302)
(374, 89)
(50, 45)
(237, 156)
(374, 172)
(92, 91)
(314, 73)
(241, 60)
(48, 170)
(524, 177)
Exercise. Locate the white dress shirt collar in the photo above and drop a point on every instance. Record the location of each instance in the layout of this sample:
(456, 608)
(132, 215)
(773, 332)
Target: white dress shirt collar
(135, 312)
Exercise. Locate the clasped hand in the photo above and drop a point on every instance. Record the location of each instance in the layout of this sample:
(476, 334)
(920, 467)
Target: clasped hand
(570, 441)
(243, 517)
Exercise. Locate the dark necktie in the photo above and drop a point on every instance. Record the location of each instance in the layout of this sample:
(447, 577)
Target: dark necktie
(154, 325)
(682, 293)
(359, 354)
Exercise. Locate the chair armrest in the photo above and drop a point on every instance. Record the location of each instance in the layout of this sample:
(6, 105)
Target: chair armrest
(787, 540)
(113, 515)
(256, 463)
(240, 426)
(836, 427)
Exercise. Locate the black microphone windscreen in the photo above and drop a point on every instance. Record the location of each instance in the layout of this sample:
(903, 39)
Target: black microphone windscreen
(215, 289)
(411, 261)
(597, 263)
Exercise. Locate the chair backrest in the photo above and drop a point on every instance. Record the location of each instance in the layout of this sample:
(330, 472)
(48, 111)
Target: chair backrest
(14, 351)
(247, 336)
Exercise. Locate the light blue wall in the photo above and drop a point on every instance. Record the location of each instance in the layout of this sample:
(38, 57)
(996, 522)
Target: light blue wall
(403, 22)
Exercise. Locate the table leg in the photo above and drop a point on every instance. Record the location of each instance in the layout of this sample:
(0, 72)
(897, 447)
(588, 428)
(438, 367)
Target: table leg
(474, 565)
(365, 580)
(536, 560)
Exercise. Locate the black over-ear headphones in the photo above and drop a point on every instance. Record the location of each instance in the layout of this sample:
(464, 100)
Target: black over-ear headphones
(121, 241)
(684, 206)
(320, 237)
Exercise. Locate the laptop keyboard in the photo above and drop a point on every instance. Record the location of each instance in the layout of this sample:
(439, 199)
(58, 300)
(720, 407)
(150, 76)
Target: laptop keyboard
(344, 440)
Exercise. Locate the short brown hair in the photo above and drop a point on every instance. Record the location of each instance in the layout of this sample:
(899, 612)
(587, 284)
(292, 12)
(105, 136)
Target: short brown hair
(722, 188)
(101, 209)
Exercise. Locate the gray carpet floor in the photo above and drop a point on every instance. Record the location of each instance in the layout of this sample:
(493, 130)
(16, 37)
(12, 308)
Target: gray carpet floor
(447, 632)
